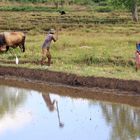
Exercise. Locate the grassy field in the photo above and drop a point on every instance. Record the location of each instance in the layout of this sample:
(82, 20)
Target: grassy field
(90, 43)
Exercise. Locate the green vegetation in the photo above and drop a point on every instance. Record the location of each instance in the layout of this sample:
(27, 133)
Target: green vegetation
(85, 48)
(90, 43)
(53, 5)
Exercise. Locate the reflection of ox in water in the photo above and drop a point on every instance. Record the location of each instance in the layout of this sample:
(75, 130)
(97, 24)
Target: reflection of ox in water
(12, 39)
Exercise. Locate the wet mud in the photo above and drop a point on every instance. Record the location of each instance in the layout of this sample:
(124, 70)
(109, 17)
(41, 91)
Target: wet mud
(106, 89)
(110, 95)
(71, 79)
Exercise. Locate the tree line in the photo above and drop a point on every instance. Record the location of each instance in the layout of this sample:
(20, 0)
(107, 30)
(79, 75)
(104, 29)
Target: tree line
(131, 5)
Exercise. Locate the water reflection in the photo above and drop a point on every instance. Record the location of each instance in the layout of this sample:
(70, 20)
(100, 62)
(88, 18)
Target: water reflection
(10, 99)
(124, 121)
(52, 105)
(61, 125)
(28, 114)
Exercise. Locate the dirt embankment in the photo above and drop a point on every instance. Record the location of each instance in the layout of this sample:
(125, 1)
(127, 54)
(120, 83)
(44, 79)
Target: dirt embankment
(71, 79)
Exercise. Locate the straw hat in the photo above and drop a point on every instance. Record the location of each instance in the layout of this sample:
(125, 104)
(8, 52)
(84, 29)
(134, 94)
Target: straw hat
(51, 31)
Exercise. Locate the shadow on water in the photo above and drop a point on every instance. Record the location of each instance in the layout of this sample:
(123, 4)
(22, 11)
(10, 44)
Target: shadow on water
(80, 113)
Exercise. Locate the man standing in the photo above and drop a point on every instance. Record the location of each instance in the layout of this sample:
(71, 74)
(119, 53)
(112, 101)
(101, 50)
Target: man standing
(46, 47)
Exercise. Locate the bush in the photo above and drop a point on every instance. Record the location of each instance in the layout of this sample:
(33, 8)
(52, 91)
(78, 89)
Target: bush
(26, 8)
(103, 3)
(104, 9)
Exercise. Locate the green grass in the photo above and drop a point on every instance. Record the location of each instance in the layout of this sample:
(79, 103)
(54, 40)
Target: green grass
(105, 50)
(27, 8)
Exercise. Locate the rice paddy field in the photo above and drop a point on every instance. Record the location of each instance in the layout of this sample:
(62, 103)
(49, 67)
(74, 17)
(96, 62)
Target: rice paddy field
(89, 43)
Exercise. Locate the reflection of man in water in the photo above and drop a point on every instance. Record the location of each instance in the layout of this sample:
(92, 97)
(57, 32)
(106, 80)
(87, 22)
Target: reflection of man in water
(50, 104)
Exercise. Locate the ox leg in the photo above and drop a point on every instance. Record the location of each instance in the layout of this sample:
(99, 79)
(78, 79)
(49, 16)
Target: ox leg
(23, 44)
(7, 48)
(23, 48)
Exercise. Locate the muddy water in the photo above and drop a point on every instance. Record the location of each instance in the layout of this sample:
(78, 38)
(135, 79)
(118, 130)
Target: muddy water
(32, 115)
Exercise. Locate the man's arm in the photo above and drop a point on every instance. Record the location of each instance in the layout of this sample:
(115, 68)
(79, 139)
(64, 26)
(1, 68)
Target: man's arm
(54, 39)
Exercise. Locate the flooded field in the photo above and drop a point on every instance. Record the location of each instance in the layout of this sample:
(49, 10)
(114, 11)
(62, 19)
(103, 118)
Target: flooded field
(32, 115)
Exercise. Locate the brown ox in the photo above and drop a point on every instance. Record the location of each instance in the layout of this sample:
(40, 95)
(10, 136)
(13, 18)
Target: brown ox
(12, 39)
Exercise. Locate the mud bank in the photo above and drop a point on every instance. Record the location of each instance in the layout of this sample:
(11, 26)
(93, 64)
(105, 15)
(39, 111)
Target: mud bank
(71, 79)
(109, 95)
